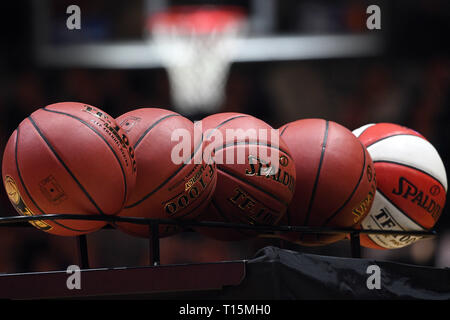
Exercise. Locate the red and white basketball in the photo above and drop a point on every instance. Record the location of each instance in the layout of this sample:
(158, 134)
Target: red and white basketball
(68, 158)
(411, 184)
(165, 188)
(255, 174)
(335, 179)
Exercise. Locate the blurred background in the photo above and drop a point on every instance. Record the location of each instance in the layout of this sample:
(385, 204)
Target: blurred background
(296, 59)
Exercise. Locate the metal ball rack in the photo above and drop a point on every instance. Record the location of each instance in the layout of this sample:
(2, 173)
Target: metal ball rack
(212, 280)
(154, 240)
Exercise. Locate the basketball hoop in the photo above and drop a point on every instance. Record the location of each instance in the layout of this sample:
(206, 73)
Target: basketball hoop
(196, 45)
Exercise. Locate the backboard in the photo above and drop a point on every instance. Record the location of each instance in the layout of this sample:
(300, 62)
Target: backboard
(114, 36)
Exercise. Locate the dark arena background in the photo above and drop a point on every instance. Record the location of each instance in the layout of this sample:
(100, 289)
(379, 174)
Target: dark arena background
(297, 59)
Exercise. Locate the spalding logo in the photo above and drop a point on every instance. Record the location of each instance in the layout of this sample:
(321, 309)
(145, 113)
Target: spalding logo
(364, 205)
(264, 169)
(284, 161)
(435, 190)
(409, 191)
(128, 123)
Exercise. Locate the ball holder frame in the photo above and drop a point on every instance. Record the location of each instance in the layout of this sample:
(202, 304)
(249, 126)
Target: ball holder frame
(190, 280)
(154, 240)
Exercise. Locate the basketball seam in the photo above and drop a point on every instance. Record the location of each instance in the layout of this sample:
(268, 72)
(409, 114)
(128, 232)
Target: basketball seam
(414, 168)
(192, 210)
(236, 143)
(167, 180)
(393, 135)
(284, 129)
(104, 140)
(175, 196)
(368, 127)
(316, 181)
(394, 205)
(354, 190)
(210, 192)
(28, 193)
(224, 122)
(219, 211)
(151, 127)
(253, 185)
(65, 166)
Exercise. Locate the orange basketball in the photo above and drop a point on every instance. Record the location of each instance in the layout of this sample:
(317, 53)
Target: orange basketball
(68, 158)
(335, 179)
(165, 189)
(255, 174)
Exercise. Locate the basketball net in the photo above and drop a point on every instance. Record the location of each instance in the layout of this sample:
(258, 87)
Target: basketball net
(196, 45)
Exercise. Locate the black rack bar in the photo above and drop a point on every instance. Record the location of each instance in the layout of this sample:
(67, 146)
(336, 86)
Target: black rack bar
(154, 255)
(83, 255)
(153, 225)
(355, 245)
(5, 221)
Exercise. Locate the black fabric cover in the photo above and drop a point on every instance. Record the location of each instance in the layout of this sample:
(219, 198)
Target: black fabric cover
(283, 274)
